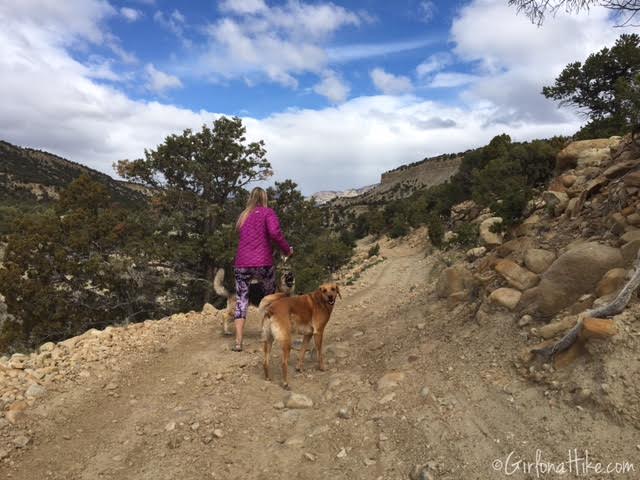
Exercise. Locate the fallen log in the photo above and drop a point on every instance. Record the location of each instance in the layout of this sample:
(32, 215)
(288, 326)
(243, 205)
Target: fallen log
(594, 316)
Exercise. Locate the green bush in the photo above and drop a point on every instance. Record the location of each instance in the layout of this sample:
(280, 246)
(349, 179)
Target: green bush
(436, 231)
(466, 235)
(373, 251)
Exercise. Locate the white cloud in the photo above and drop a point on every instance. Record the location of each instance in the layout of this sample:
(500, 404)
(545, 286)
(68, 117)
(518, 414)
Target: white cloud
(427, 10)
(389, 83)
(434, 63)
(332, 87)
(173, 22)
(277, 43)
(160, 82)
(348, 53)
(243, 6)
(59, 22)
(130, 14)
(452, 79)
(513, 62)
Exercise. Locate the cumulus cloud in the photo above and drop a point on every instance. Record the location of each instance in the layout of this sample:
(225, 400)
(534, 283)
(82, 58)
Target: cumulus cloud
(243, 6)
(332, 87)
(130, 14)
(160, 82)
(513, 62)
(277, 43)
(389, 83)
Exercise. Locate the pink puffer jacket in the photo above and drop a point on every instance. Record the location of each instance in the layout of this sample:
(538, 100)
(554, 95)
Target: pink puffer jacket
(259, 229)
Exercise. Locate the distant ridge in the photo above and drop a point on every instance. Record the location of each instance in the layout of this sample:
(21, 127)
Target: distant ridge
(328, 195)
(30, 175)
(402, 182)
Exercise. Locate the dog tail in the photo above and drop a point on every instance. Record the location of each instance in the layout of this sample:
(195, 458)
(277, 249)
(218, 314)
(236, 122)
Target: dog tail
(218, 285)
(265, 303)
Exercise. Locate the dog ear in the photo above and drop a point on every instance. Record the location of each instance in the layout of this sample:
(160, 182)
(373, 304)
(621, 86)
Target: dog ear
(338, 291)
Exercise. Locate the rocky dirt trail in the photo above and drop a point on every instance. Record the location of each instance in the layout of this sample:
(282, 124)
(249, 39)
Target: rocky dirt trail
(415, 389)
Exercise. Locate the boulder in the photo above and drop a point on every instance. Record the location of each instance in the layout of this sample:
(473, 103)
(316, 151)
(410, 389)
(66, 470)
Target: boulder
(634, 219)
(611, 282)
(573, 274)
(477, 252)
(454, 279)
(538, 260)
(585, 153)
(629, 252)
(529, 225)
(620, 168)
(465, 210)
(568, 180)
(515, 248)
(632, 179)
(631, 236)
(488, 237)
(516, 276)
(617, 222)
(505, 297)
(557, 201)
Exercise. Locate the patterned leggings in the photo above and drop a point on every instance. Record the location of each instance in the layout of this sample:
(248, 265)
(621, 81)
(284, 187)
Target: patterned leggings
(266, 277)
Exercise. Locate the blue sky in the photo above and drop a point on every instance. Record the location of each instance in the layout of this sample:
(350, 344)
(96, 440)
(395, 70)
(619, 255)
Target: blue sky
(174, 39)
(340, 91)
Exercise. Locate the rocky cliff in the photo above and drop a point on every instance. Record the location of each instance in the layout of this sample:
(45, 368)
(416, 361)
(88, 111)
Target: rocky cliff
(405, 180)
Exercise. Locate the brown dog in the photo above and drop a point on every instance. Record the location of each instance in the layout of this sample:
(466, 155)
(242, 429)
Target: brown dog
(304, 314)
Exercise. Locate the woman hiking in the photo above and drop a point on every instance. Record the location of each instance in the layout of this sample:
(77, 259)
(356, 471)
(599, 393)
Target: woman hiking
(257, 226)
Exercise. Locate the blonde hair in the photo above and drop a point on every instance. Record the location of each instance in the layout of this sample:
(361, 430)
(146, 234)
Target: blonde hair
(257, 198)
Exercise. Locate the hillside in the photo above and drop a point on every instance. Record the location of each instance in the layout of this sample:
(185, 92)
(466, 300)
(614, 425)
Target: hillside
(403, 181)
(28, 175)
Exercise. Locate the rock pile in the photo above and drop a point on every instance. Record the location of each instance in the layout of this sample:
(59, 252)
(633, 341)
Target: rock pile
(572, 251)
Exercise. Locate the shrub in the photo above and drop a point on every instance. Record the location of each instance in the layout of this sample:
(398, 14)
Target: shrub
(436, 231)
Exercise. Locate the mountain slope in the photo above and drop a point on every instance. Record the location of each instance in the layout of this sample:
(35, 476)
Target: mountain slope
(28, 175)
(403, 181)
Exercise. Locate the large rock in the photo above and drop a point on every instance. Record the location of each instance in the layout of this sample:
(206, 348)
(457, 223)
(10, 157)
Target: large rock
(630, 251)
(515, 275)
(585, 153)
(632, 179)
(557, 201)
(452, 280)
(538, 260)
(515, 249)
(631, 236)
(573, 274)
(612, 282)
(488, 237)
(505, 297)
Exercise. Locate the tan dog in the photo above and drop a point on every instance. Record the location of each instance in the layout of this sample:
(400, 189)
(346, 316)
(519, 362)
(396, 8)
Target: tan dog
(286, 286)
(304, 314)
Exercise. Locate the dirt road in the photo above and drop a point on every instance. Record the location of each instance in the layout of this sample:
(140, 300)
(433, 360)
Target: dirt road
(411, 382)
